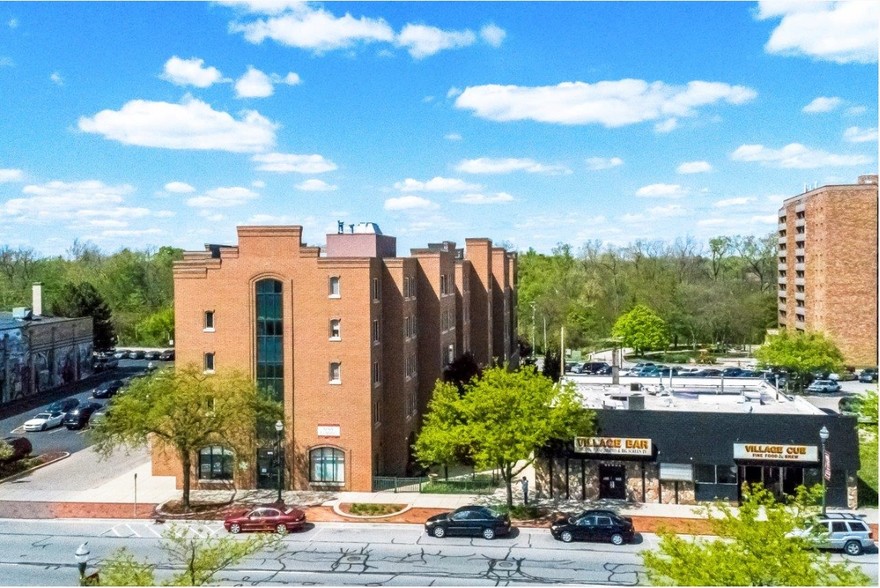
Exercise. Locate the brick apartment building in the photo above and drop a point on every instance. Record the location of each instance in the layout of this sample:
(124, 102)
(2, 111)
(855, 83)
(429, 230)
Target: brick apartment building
(351, 338)
(827, 266)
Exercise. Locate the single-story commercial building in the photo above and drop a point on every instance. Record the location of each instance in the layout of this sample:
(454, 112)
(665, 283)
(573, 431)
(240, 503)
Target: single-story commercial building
(696, 444)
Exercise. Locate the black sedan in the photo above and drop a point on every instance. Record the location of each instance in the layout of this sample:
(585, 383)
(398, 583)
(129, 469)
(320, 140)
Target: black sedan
(79, 416)
(478, 521)
(108, 390)
(594, 525)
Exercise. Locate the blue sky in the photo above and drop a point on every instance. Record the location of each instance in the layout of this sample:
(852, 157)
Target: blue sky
(146, 124)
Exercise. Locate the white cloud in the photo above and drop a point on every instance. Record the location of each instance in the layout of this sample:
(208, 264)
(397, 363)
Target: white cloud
(164, 213)
(840, 32)
(859, 135)
(436, 184)
(11, 175)
(315, 185)
(856, 110)
(694, 167)
(62, 201)
(291, 79)
(453, 92)
(493, 35)
(712, 222)
(193, 124)
(661, 191)
(190, 72)
(178, 188)
(290, 162)
(265, 6)
(132, 232)
(316, 30)
(668, 211)
(12, 23)
(598, 163)
(223, 197)
(609, 103)
(452, 137)
(56, 78)
(795, 156)
(487, 165)
(258, 184)
(822, 104)
(728, 202)
(254, 84)
(497, 198)
(765, 219)
(409, 203)
(423, 41)
(666, 126)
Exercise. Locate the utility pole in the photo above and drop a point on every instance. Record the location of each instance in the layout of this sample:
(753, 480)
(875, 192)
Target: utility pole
(533, 329)
(545, 333)
(562, 352)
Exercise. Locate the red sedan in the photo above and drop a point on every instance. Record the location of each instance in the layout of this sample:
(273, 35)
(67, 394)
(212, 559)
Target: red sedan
(266, 518)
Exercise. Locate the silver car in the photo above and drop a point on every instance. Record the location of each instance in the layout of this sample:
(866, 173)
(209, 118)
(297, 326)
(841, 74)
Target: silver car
(840, 531)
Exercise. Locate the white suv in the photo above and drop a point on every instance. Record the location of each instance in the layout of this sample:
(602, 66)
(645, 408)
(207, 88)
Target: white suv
(844, 531)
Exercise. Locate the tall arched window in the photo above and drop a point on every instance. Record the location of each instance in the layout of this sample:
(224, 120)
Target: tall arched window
(270, 338)
(327, 464)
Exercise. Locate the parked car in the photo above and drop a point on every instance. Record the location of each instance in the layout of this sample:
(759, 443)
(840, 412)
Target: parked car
(268, 517)
(687, 371)
(824, 386)
(79, 416)
(731, 372)
(151, 354)
(868, 375)
(840, 531)
(63, 406)
(167, 355)
(469, 520)
(108, 389)
(664, 373)
(103, 364)
(120, 354)
(593, 367)
(605, 371)
(136, 354)
(43, 421)
(594, 525)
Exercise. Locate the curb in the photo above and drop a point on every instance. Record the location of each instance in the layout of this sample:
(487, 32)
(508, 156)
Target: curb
(14, 477)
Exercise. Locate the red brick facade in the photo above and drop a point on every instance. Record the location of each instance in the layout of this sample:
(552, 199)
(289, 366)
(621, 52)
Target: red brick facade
(827, 266)
(400, 321)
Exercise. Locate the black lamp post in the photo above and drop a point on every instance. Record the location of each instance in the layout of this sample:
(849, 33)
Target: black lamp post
(823, 437)
(279, 426)
(82, 559)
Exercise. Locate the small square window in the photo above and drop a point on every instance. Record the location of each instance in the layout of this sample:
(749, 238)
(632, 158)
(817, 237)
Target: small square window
(335, 329)
(334, 287)
(209, 362)
(209, 320)
(335, 373)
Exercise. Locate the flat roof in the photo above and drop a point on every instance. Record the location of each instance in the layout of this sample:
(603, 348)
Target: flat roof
(752, 396)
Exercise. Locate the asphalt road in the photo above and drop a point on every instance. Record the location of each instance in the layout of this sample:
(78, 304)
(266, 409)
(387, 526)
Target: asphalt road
(42, 553)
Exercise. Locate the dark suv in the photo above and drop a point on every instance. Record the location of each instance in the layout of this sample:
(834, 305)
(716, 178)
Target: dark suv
(108, 390)
(593, 367)
(63, 405)
(79, 416)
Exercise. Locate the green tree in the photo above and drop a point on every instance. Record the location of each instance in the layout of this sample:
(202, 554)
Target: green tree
(200, 557)
(184, 411)
(502, 419)
(800, 354)
(753, 548)
(552, 366)
(6, 450)
(641, 329)
(158, 328)
(76, 300)
(868, 408)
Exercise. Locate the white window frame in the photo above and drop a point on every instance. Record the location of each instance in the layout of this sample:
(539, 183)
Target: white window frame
(335, 373)
(334, 283)
(209, 321)
(335, 329)
(209, 362)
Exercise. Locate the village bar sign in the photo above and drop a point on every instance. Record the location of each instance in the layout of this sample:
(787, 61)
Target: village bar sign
(613, 445)
(775, 452)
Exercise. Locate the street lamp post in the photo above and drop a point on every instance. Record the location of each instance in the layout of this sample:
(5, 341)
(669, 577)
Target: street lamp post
(279, 426)
(82, 559)
(533, 329)
(823, 437)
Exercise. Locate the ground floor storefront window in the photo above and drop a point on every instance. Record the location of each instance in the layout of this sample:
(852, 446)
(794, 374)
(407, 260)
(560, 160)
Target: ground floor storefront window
(215, 463)
(327, 465)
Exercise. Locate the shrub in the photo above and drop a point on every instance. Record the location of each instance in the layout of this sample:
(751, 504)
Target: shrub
(18, 448)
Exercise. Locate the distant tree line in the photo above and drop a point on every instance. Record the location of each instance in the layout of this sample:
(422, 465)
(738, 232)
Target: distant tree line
(723, 292)
(130, 292)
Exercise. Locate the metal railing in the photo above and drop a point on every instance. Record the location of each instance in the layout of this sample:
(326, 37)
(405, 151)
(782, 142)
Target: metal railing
(398, 484)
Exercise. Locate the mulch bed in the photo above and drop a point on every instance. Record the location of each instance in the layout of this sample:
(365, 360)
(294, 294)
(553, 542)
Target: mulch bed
(387, 509)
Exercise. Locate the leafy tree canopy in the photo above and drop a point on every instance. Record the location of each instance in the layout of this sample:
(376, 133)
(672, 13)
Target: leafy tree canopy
(800, 353)
(158, 328)
(186, 410)
(77, 300)
(501, 420)
(753, 548)
(642, 329)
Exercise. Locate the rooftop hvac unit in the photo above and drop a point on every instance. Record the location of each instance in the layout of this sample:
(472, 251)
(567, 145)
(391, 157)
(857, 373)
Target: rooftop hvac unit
(21, 313)
(636, 402)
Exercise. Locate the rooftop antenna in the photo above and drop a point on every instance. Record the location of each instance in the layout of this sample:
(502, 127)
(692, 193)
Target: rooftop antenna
(351, 228)
(340, 227)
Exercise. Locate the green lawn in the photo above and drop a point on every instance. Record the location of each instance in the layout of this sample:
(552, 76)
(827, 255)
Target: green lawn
(868, 471)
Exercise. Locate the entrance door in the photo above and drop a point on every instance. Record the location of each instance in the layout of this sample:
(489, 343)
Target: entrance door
(612, 482)
(267, 469)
